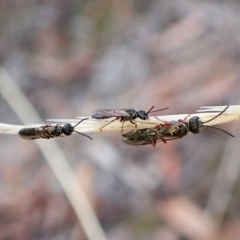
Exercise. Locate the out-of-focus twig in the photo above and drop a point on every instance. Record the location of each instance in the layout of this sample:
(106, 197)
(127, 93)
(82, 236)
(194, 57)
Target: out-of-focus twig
(225, 179)
(187, 218)
(54, 157)
(229, 166)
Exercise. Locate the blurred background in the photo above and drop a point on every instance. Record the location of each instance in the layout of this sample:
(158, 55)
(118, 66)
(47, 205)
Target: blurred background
(71, 57)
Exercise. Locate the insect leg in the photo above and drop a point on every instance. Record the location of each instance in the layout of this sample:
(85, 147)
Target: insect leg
(133, 123)
(153, 143)
(122, 127)
(108, 123)
(164, 123)
(164, 141)
(183, 120)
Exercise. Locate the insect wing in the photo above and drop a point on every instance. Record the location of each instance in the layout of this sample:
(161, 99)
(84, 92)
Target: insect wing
(46, 131)
(29, 133)
(164, 133)
(142, 137)
(138, 137)
(108, 113)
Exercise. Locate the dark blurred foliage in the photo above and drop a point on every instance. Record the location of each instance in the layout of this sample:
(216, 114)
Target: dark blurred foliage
(71, 57)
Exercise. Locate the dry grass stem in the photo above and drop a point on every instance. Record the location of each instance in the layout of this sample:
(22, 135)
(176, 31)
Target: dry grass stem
(94, 125)
(54, 157)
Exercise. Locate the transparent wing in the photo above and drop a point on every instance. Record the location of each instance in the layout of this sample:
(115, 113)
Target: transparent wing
(146, 136)
(29, 133)
(108, 113)
(46, 131)
(172, 131)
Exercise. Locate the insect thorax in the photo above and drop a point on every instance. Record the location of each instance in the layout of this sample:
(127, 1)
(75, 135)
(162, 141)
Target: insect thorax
(176, 129)
(132, 113)
(183, 130)
(51, 131)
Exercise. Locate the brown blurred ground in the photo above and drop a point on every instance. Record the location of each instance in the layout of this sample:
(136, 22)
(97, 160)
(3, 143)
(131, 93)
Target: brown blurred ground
(71, 57)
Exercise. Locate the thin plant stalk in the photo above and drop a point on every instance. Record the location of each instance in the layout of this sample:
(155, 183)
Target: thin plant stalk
(54, 156)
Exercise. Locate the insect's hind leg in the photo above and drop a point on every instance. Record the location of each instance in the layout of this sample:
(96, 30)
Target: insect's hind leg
(163, 122)
(133, 123)
(122, 127)
(122, 120)
(183, 120)
(153, 143)
(107, 124)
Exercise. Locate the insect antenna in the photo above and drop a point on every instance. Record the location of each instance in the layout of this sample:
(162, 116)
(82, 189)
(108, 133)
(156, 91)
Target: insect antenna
(80, 121)
(217, 115)
(80, 132)
(149, 111)
(219, 130)
(83, 135)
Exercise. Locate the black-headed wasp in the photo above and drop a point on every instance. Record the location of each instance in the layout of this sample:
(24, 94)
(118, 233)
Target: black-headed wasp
(122, 115)
(168, 131)
(48, 131)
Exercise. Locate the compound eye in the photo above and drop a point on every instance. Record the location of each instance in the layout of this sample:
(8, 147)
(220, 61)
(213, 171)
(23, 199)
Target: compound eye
(142, 114)
(67, 129)
(195, 124)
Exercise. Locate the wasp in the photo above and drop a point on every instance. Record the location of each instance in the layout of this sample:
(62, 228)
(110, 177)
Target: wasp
(50, 131)
(168, 131)
(123, 115)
